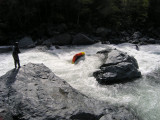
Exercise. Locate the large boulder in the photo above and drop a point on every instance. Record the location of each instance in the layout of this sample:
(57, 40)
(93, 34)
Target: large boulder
(81, 39)
(26, 42)
(62, 39)
(117, 67)
(34, 92)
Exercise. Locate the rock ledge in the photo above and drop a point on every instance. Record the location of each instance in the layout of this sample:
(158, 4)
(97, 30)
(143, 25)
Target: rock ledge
(34, 92)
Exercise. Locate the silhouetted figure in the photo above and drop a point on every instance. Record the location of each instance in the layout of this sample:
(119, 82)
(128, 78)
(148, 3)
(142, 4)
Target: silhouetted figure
(137, 48)
(15, 53)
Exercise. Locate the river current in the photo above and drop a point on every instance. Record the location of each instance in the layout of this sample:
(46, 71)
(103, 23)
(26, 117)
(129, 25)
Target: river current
(141, 95)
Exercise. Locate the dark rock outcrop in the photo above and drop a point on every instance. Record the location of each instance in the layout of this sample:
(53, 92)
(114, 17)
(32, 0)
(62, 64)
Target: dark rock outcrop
(81, 39)
(117, 67)
(26, 42)
(4, 49)
(62, 39)
(151, 41)
(33, 92)
(48, 42)
(137, 35)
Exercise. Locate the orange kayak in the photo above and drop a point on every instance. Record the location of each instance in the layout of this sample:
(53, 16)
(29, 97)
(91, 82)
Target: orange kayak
(76, 56)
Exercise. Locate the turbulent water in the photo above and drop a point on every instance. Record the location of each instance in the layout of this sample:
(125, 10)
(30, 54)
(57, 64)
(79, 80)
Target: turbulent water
(141, 95)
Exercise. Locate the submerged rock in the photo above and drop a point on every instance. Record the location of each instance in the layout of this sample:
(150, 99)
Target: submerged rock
(34, 92)
(117, 67)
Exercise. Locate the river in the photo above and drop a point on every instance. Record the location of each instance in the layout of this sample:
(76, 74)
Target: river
(141, 95)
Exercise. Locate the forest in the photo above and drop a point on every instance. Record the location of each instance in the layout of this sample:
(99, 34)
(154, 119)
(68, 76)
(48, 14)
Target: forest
(26, 17)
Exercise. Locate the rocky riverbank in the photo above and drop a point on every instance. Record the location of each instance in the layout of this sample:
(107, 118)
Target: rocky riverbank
(66, 35)
(33, 92)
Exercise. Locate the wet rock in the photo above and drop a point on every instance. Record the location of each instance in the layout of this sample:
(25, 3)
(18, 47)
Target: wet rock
(34, 92)
(81, 39)
(117, 67)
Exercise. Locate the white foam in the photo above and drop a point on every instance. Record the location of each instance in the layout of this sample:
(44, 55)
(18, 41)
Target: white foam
(140, 94)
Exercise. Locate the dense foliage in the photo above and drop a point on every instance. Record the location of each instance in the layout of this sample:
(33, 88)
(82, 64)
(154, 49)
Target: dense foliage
(22, 16)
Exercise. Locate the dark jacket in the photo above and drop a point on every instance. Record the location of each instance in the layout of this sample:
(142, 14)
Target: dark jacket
(15, 52)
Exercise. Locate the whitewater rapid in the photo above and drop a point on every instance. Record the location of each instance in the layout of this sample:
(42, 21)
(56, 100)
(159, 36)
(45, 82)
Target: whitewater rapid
(141, 95)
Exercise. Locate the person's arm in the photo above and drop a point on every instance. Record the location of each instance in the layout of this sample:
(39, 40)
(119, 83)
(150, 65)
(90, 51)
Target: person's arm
(19, 51)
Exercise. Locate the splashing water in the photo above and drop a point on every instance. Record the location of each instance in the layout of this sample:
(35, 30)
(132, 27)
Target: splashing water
(142, 95)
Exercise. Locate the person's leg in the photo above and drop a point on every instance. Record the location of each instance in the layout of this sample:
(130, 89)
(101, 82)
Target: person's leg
(15, 63)
(18, 64)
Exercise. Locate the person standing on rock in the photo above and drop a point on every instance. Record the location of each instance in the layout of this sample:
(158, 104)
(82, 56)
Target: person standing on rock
(15, 53)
